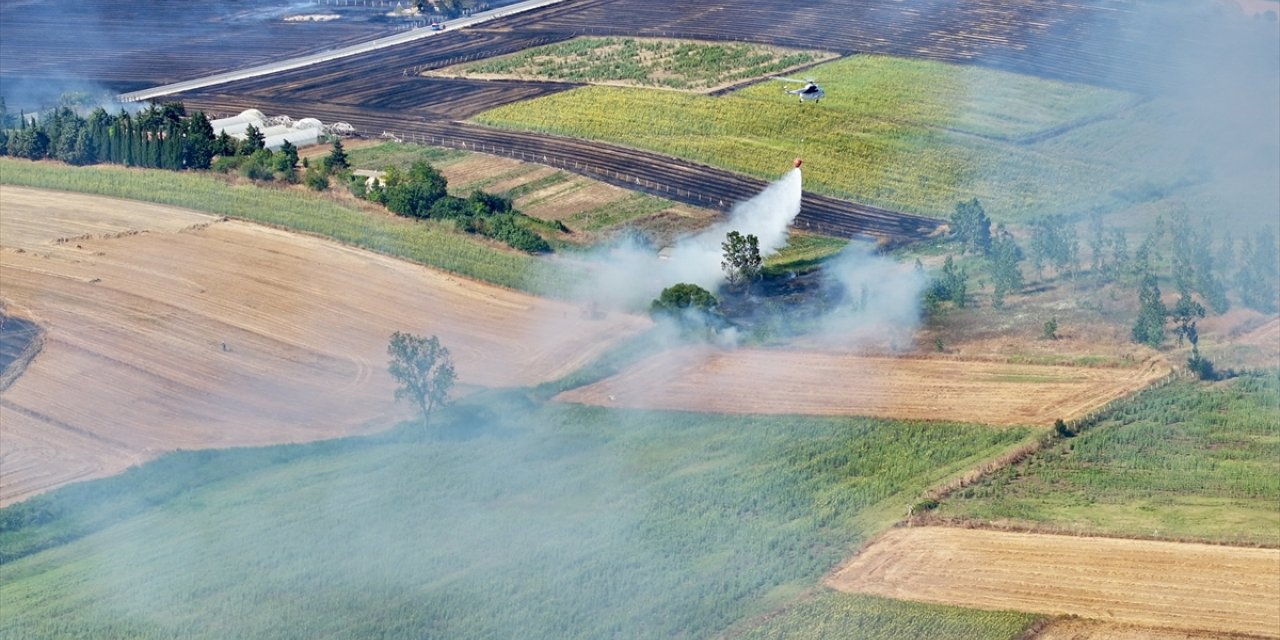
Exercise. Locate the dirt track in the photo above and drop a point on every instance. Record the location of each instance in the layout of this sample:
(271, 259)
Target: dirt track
(133, 363)
(825, 383)
(1155, 584)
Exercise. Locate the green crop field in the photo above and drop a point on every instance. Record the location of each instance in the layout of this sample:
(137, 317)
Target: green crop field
(913, 135)
(831, 614)
(436, 244)
(514, 519)
(651, 62)
(1181, 461)
(401, 156)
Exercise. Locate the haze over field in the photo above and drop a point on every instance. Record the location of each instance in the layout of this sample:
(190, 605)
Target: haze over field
(206, 440)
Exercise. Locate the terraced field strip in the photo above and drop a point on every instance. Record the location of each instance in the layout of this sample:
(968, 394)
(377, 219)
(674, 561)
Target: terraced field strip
(781, 381)
(223, 334)
(1196, 587)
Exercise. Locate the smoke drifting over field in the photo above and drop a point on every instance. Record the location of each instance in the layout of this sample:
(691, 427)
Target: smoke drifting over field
(879, 299)
(1225, 96)
(630, 275)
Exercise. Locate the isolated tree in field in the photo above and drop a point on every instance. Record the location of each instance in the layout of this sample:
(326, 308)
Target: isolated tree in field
(1184, 315)
(1051, 329)
(742, 262)
(1149, 327)
(337, 159)
(424, 370)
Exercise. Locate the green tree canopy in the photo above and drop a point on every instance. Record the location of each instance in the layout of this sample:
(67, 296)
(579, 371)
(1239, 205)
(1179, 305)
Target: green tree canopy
(337, 159)
(677, 298)
(424, 370)
(1149, 327)
(742, 262)
(971, 226)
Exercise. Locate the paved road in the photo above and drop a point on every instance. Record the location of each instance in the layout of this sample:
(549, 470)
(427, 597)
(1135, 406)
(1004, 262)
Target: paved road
(325, 56)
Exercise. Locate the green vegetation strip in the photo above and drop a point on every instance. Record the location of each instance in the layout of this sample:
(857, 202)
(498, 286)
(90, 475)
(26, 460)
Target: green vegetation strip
(803, 252)
(671, 64)
(430, 243)
(514, 519)
(1187, 460)
(401, 156)
(832, 614)
(914, 135)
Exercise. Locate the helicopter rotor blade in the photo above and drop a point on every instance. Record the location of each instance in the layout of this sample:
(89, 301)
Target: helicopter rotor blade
(783, 79)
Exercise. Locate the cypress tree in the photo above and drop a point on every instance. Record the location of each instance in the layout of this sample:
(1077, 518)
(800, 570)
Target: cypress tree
(1149, 327)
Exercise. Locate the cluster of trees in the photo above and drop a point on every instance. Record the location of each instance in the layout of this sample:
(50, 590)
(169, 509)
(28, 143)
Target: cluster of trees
(254, 161)
(952, 285)
(1204, 270)
(160, 136)
(971, 227)
(1201, 276)
(697, 310)
(422, 192)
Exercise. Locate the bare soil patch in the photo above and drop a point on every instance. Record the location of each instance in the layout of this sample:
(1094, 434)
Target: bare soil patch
(36, 218)
(476, 168)
(503, 184)
(573, 196)
(134, 362)
(779, 381)
(1171, 585)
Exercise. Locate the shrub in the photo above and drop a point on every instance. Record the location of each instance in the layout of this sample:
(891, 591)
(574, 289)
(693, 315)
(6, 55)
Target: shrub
(316, 179)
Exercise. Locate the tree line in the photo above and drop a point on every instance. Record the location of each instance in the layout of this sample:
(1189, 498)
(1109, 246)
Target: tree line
(159, 137)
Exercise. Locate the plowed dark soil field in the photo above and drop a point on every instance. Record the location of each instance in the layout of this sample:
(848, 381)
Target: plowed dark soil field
(125, 46)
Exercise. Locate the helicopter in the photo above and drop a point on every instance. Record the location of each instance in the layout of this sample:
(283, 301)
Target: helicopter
(810, 90)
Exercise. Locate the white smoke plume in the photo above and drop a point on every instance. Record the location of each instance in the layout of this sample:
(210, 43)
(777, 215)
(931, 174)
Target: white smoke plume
(880, 302)
(628, 275)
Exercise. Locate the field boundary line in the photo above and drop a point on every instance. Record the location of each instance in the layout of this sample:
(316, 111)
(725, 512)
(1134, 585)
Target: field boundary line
(1077, 426)
(1051, 530)
(20, 363)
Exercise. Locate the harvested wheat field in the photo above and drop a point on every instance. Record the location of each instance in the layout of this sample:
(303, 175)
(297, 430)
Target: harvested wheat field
(168, 329)
(1169, 585)
(1081, 629)
(779, 381)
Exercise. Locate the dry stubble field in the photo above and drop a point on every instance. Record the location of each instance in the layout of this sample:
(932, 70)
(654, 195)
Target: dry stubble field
(777, 381)
(1170, 585)
(138, 305)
